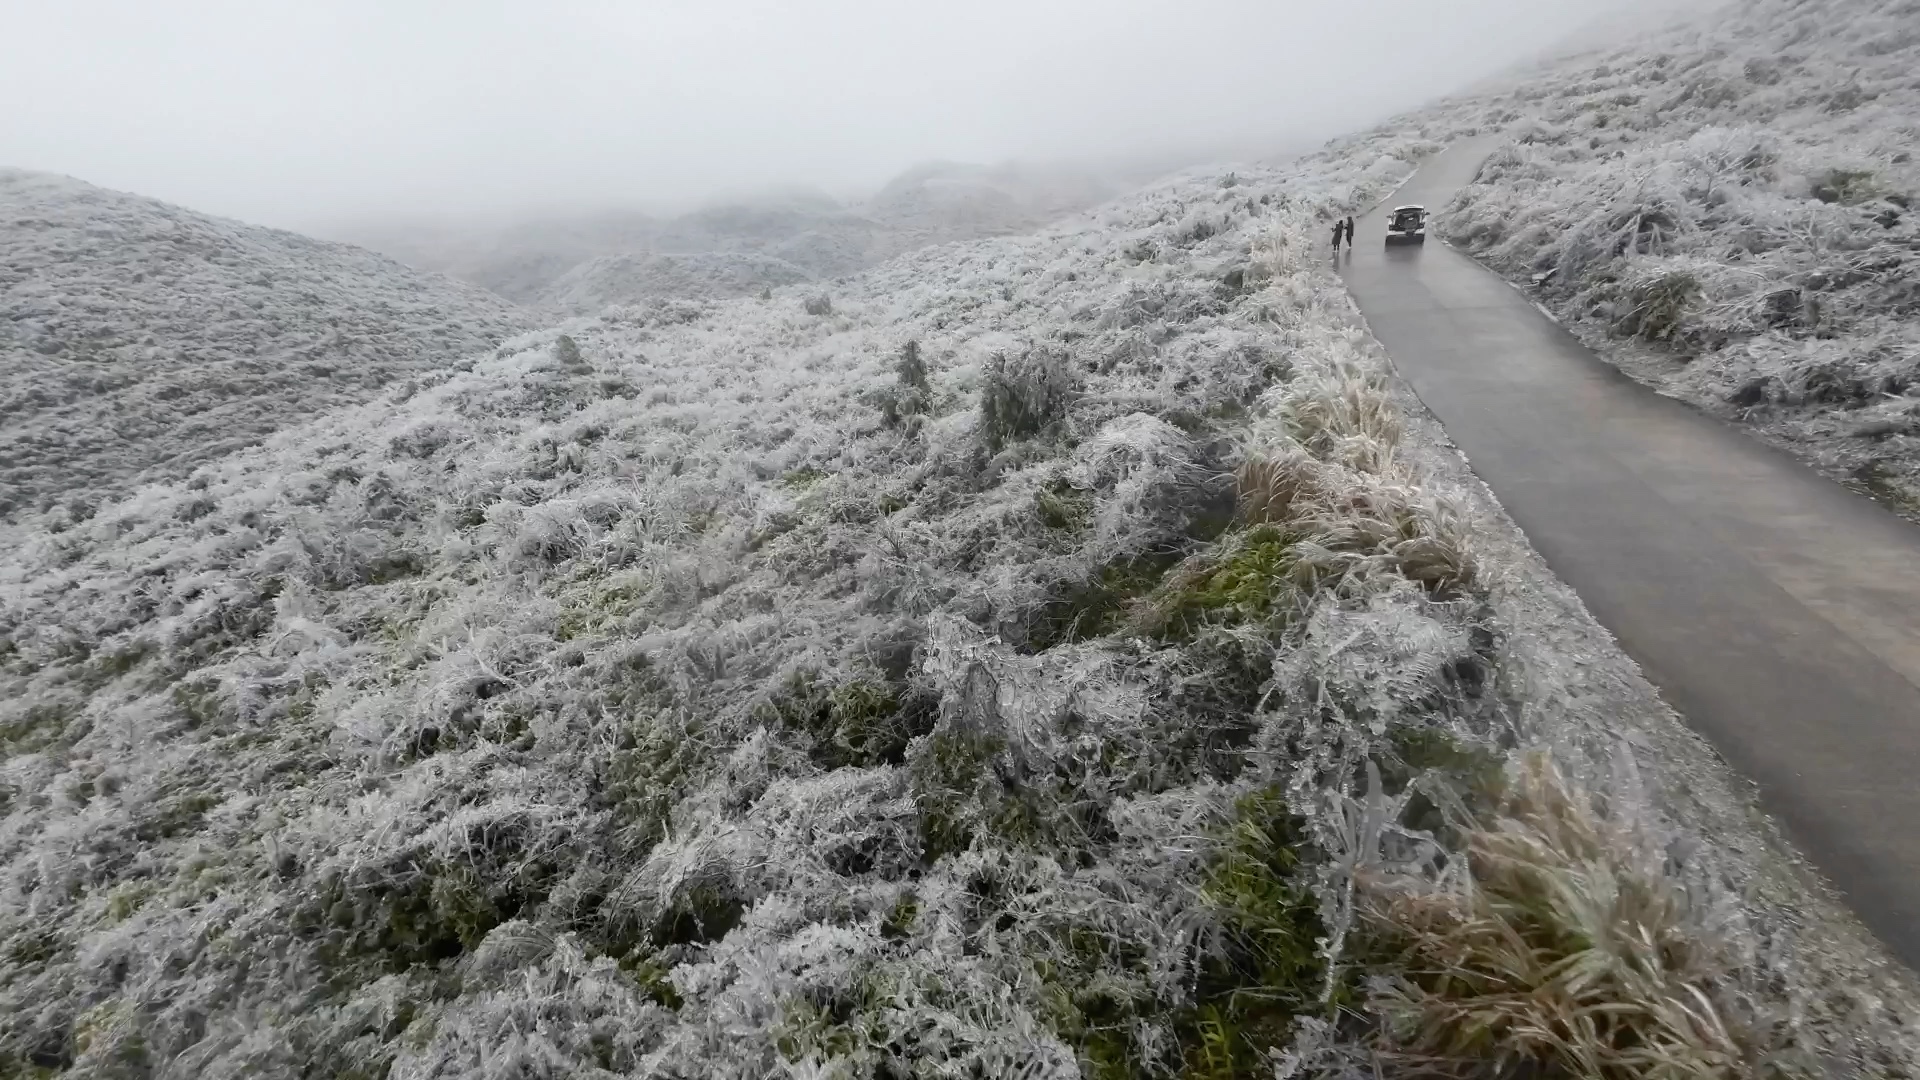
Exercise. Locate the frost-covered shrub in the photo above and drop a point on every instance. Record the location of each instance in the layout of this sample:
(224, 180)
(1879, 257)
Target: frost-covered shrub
(566, 353)
(910, 368)
(423, 439)
(1657, 302)
(1146, 484)
(1538, 131)
(910, 397)
(1848, 186)
(1848, 98)
(1023, 393)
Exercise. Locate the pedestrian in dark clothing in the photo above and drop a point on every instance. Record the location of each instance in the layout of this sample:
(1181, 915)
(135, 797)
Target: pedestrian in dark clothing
(1338, 228)
(1349, 232)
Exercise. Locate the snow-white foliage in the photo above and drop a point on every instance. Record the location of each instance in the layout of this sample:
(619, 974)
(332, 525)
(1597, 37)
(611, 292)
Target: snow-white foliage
(1727, 211)
(646, 702)
(728, 689)
(138, 339)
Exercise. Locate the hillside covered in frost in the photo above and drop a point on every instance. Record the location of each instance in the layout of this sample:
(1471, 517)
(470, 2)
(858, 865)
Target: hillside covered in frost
(138, 339)
(580, 265)
(1048, 656)
(615, 280)
(1728, 214)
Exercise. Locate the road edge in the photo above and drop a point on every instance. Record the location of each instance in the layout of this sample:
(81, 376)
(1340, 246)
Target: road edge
(1591, 703)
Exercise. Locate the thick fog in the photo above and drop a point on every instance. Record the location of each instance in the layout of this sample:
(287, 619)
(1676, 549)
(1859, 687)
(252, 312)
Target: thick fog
(302, 115)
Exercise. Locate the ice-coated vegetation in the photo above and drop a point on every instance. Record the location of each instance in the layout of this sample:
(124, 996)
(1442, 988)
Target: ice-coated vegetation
(1039, 657)
(1727, 213)
(138, 339)
(1048, 656)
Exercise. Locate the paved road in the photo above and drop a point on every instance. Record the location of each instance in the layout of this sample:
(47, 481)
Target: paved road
(1776, 610)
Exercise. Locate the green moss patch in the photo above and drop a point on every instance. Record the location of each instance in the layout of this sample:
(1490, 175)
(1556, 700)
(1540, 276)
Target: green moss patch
(1253, 577)
(859, 722)
(1102, 604)
(1268, 968)
(1059, 506)
(653, 765)
(802, 478)
(1259, 968)
(1476, 773)
(954, 787)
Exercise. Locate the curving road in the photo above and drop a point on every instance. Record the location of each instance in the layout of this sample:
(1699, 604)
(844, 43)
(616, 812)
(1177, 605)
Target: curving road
(1777, 611)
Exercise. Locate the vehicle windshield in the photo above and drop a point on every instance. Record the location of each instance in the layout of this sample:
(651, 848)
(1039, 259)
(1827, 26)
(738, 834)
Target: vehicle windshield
(1406, 218)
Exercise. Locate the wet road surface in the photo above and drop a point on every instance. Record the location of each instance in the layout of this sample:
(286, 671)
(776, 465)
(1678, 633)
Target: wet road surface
(1778, 612)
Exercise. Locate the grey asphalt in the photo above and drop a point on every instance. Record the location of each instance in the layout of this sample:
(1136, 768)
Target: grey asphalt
(1778, 612)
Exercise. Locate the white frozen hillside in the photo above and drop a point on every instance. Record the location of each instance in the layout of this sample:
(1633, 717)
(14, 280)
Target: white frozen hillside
(740, 250)
(612, 280)
(139, 339)
(972, 675)
(954, 201)
(546, 262)
(1727, 212)
(779, 227)
(519, 261)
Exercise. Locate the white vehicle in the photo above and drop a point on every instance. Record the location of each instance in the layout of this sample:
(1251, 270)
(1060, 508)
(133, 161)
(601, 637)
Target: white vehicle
(1407, 224)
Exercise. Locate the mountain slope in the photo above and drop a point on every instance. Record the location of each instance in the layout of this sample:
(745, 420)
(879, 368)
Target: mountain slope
(1066, 654)
(611, 280)
(967, 201)
(547, 262)
(519, 260)
(1032, 665)
(138, 339)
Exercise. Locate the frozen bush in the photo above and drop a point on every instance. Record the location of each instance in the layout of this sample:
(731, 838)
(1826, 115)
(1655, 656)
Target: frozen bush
(1023, 394)
(1148, 487)
(566, 353)
(1848, 186)
(422, 439)
(1659, 300)
(910, 369)
(903, 403)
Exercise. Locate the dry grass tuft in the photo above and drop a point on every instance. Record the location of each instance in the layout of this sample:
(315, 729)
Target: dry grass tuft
(1271, 483)
(1345, 416)
(1334, 481)
(1561, 948)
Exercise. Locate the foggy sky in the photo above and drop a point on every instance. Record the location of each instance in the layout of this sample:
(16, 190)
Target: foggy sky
(296, 114)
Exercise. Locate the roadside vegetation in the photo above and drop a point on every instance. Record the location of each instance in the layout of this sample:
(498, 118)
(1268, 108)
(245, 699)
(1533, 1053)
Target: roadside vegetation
(1728, 214)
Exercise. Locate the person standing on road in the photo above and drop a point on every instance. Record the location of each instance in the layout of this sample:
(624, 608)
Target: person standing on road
(1349, 232)
(1338, 228)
